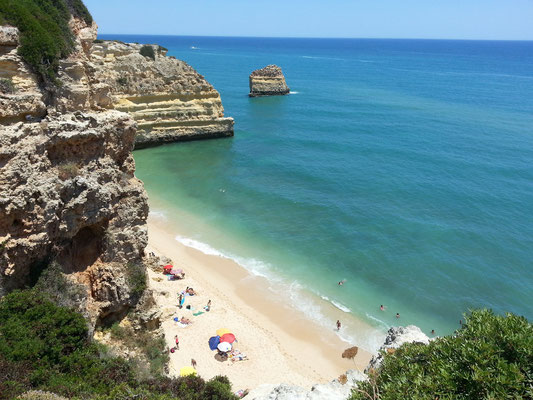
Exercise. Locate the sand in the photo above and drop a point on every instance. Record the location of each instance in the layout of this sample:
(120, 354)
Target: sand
(281, 344)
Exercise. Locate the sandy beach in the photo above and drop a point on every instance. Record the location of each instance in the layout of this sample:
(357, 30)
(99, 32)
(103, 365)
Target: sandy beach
(281, 344)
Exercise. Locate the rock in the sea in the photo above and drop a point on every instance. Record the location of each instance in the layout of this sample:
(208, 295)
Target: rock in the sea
(268, 81)
(396, 336)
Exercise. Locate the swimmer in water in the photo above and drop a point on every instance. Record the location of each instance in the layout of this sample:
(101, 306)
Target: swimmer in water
(382, 307)
(342, 282)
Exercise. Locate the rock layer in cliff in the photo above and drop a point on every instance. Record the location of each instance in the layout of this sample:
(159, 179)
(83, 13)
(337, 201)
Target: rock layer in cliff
(268, 81)
(169, 100)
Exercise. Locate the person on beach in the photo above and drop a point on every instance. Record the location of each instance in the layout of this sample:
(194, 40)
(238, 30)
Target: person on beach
(397, 315)
(208, 306)
(185, 321)
(180, 301)
(193, 363)
(338, 325)
(177, 342)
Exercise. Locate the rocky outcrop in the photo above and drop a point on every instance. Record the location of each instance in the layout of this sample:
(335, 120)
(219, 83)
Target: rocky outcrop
(268, 81)
(68, 193)
(67, 187)
(396, 336)
(335, 390)
(24, 97)
(169, 100)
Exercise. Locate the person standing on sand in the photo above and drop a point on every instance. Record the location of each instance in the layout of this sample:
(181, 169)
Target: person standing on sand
(177, 342)
(338, 325)
(180, 299)
(193, 363)
(208, 306)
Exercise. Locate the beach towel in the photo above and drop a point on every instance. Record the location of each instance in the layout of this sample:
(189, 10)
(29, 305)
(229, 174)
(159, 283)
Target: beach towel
(198, 313)
(180, 325)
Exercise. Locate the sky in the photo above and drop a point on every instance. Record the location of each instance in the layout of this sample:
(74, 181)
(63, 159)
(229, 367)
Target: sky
(430, 19)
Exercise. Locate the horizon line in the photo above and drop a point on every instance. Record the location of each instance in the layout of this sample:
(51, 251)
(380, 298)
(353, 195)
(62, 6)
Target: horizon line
(322, 38)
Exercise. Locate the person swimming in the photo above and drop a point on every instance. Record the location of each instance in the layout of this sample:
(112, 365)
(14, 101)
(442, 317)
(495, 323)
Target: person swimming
(342, 282)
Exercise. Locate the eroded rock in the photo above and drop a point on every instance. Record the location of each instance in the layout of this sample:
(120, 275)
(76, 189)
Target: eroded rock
(268, 81)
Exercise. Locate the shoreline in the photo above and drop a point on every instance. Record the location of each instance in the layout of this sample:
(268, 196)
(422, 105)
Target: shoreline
(283, 345)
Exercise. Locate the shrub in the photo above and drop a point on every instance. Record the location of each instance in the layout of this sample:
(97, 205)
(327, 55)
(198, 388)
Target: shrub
(122, 81)
(7, 86)
(98, 41)
(45, 36)
(46, 347)
(147, 51)
(136, 278)
(59, 288)
(490, 357)
(67, 170)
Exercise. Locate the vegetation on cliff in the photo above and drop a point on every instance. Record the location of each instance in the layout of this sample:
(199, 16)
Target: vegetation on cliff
(45, 36)
(47, 347)
(490, 357)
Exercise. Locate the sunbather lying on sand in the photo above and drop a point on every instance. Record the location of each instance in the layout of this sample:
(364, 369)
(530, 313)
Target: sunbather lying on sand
(185, 321)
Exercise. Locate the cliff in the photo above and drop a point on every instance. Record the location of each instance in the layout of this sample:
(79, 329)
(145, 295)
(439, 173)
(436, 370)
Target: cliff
(268, 81)
(169, 100)
(67, 184)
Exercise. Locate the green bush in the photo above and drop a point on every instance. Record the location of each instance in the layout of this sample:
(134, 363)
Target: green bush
(147, 51)
(136, 278)
(490, 357)
(47, 347)
(7, 86)
(45, 36)
(122, 81)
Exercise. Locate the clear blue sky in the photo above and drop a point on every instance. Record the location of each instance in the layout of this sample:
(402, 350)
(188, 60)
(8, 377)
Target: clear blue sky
(452, 19)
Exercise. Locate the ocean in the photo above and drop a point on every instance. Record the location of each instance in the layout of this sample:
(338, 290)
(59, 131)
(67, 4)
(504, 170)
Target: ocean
(404, 167)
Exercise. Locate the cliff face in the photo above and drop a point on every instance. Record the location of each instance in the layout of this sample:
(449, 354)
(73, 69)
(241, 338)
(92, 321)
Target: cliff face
(268, 81)
(67, 187)
(169, 100)
(68, 193)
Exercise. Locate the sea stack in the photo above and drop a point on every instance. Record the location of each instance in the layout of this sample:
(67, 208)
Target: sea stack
(268, 81)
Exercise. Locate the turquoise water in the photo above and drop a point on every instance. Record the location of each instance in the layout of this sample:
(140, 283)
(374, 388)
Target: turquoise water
(402, 166)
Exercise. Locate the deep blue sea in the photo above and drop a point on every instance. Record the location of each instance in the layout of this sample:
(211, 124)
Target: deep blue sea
(402, 166)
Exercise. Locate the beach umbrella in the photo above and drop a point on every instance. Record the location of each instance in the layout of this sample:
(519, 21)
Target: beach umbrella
(168, 267)
(228, 338)
(224, 346)
(186, 371)
(222, 331)
(213, 342)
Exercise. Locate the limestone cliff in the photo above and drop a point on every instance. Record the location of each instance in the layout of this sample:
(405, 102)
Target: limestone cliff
(268, 81)
(169, 100)
(68, 194)
(67, 187)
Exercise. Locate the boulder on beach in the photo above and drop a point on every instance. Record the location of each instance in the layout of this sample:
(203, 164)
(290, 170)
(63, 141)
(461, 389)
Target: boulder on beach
(268, 81)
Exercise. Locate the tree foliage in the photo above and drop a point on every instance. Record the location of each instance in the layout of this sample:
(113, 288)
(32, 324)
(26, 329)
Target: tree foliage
(45, 36)
(490, 357)
(47, 347)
